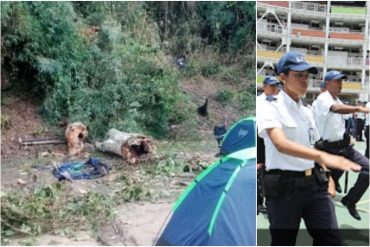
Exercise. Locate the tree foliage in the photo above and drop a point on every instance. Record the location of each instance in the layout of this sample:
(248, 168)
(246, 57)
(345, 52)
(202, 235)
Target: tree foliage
(103, 63)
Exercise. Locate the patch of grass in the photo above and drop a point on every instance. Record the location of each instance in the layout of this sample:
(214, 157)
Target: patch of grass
(169, 166)
(224, 96)
(210, 69)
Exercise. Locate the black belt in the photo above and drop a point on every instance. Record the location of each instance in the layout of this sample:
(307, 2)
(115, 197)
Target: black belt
(306, 173)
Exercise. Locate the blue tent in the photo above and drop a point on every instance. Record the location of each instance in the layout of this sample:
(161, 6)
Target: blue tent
(240, 136)
(219, 206)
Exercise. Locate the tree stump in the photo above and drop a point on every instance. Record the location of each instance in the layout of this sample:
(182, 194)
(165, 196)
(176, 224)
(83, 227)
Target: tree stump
(75, 135)
(130, 146)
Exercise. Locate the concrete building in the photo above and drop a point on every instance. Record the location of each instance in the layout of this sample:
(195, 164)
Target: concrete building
(332, 34)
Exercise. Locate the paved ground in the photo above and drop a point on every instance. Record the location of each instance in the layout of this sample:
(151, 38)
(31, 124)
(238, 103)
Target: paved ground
(356, 232)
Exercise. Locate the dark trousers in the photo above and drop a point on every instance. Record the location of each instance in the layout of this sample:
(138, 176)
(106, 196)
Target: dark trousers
(367, 141)
(219, 141)
(359, 127)
(314, 205)
(362, 182)
(260, 191)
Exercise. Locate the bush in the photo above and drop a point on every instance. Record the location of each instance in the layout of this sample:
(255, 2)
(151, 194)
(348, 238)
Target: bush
(113, 77)
(224, 96)
(102, 63)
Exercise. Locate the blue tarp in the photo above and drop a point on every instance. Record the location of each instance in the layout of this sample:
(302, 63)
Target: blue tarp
(89, 169)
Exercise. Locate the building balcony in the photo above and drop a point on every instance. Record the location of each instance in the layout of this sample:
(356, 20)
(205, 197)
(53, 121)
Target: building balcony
(315, 59)
(340, 62)
(346, 39)
(347, 86)
(275, 56)
(269, 27)
(312, 7)
(351, 36)
(351, 86)
(284, 4)
(308, 33)
(316, 10)
(349, 14)
(307, 36)
(269, 55)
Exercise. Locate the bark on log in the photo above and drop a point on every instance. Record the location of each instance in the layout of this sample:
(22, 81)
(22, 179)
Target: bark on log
(131, 146)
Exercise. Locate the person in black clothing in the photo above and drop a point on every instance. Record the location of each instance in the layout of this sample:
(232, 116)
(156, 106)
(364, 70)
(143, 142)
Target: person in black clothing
(219, 131)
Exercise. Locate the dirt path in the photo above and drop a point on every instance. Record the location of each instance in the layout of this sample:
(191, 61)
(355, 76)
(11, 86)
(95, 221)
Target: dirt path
(137, 224)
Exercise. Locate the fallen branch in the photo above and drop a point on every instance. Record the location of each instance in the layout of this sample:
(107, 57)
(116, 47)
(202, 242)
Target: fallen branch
(16, 229)
(40, 141)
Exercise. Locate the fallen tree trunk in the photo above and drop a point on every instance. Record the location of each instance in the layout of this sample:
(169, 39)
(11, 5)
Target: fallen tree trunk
(130, 146)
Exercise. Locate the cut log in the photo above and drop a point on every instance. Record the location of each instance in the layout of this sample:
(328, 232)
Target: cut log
(75, 135)
(130, 146)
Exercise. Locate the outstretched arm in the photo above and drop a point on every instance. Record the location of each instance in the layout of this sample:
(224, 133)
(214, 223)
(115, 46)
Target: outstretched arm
(286, 146)
(345, 109)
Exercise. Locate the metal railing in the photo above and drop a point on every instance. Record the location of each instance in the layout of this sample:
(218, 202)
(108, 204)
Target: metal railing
(343, 61)
(269, 27)
(313, 7)
(339, 29)
(314, 83)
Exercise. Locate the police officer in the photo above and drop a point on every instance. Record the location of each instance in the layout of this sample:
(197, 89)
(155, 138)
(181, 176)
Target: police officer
(294, 187)
(270, 88)
(367, 121)
(329, 111)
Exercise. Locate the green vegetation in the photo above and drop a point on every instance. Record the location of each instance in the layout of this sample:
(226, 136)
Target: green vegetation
(112, 65)
(104, 63)
(38, 208)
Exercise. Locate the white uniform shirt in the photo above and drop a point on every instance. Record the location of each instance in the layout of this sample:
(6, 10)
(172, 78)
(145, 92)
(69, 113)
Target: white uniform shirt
(331, 125)
(261, 97)
(298, 124)
(367, 120)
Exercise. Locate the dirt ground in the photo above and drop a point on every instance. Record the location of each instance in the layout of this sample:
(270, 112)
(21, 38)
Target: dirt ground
(137, 223)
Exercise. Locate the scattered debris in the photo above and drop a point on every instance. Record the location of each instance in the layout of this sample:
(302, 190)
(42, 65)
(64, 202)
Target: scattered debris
(44, 154)
(180, 183)
(75, 135)
(132, 147)
(39, 141)
(90, 169)
(21, 182)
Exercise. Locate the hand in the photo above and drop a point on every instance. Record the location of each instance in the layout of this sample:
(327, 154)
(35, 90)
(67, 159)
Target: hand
(331, 187)
(260, 165)
(363, 109)
(337, 162)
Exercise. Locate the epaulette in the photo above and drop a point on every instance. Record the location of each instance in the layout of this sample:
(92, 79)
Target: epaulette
(271, 98)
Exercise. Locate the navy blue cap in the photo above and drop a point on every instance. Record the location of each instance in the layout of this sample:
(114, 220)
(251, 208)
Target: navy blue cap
(334, 75)
(294, 60)
(270, 80)
(322, 84)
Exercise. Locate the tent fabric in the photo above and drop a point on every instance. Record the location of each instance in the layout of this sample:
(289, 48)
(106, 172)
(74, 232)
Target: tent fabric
(219, 210)
(219, 206)
(240, 136)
